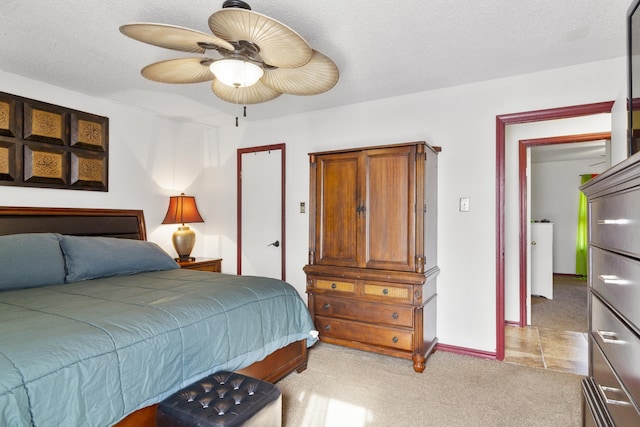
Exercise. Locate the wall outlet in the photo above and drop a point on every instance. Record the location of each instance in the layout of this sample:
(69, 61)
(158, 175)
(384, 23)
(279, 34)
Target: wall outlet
(464, 204)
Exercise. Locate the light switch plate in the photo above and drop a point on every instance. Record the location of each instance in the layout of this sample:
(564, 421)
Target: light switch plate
(464, 204)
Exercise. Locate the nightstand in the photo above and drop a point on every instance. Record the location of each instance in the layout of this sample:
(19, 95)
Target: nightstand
(203, 264)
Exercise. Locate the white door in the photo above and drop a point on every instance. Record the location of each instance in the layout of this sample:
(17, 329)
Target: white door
(261, 235)
(542, 259)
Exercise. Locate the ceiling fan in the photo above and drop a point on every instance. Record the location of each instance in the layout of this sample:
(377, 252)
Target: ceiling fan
(255, 58)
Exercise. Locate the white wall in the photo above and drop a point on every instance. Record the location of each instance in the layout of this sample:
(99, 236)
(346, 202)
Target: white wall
(554, 196)
(152, 158)
(462, 120)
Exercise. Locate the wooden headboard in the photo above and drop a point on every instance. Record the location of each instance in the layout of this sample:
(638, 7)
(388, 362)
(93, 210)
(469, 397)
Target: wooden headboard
(128, 224)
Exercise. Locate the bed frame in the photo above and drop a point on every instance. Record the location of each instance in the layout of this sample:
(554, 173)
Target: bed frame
(130, 224)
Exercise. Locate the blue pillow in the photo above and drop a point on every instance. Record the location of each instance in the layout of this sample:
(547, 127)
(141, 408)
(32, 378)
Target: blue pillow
(93, 257)
(30, 260)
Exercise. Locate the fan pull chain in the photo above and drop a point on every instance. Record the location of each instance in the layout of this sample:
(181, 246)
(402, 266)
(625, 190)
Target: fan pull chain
(236, 106)
(244, 112)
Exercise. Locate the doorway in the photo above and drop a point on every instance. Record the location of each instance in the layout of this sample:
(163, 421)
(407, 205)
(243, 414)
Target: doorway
(261, 211)
(525, 220)
(501, 122)
(552, 329)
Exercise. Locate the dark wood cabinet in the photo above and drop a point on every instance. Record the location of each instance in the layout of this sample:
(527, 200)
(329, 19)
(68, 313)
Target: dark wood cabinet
(371, 277)
(611, 392)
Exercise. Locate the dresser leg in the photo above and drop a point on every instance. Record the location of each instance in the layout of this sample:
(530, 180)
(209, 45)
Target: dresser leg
(418, 362)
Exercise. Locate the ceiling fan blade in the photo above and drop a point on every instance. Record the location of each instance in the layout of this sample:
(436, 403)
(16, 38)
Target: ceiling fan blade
(254, 94)
(317, 76)
(279, 45)
(174, 37)
(185, 70)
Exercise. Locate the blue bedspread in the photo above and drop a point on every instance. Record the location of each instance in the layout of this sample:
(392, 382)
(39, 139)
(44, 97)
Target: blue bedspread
(89, 353)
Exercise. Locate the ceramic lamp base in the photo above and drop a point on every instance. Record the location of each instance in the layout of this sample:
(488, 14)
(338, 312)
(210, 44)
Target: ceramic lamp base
(183, 240)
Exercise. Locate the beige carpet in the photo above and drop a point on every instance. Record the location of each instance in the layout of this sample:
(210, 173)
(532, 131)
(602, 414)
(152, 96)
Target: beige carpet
(567, 311)
(346, 387)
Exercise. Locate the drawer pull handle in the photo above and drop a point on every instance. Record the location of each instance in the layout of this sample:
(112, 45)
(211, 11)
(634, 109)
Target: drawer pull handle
(385, 291)
(395, 340)
(333, 286)
(613, 221)
(327, 306)
(610, 279)
(327, 328)
(604, 389)
(609, 337)
(394, 316)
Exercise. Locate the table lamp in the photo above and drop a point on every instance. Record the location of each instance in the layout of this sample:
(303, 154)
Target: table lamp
(183, 209)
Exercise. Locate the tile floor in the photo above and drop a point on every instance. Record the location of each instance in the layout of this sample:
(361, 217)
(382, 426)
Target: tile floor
(556, 350)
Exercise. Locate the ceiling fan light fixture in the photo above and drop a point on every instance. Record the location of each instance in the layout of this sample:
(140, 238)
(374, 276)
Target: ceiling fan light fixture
(236, 72)
(258, 58)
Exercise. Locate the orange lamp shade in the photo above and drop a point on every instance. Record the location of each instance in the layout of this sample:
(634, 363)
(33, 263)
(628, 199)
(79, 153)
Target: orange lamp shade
(182, 209)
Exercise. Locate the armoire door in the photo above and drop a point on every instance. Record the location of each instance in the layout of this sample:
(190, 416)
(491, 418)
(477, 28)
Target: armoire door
(337, 198)
(389, 179)
(366, 208)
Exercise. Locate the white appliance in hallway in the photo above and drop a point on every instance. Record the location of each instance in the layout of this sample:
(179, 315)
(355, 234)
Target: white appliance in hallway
(542, 259)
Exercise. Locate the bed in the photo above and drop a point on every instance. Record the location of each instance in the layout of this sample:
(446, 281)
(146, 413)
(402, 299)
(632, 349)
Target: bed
(104, 337)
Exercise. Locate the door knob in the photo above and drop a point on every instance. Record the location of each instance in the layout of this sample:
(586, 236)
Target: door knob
(276, 244)
(533, 242)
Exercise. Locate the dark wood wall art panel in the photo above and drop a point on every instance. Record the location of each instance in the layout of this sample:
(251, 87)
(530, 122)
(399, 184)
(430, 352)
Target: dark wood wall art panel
(45, 145)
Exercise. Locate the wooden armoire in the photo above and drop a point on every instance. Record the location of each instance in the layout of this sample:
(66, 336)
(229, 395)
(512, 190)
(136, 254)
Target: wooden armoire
(371, 277)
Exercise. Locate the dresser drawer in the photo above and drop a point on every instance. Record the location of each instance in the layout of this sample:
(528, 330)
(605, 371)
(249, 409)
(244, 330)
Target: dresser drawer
(386, 291)
(614, 222)
(335, 285)
(621, 410)
(619, 344)
(363, 311)
(617, 279)
(594, 412)
(364, 333)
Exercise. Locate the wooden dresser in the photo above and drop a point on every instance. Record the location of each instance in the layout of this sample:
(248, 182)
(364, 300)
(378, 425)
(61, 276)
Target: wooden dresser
(371, 277)
(611, 392)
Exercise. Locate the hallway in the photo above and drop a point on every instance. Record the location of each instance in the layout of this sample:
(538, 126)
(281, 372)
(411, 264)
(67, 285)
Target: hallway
(557, 339)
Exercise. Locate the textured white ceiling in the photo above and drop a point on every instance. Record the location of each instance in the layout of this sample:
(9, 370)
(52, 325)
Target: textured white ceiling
(382, 48)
